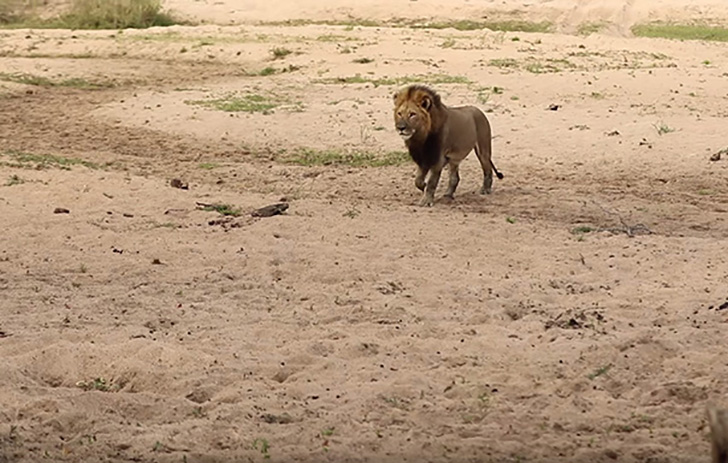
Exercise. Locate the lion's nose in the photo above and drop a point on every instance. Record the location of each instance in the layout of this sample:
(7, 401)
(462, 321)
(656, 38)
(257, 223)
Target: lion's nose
(401, 126)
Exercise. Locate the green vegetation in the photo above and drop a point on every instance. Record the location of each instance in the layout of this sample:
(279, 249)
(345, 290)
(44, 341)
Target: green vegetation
(582, 229)
(97, 384)
(500, 26)
(590, 28)
(75, 82)
(224, 209)
(430, 79)
(513, 25)
(681, 31)
(94, 14)
(14, 180)
(12, 158)
(313, 157)
(249, 103)
(503, 63)
(663, 128)
(280, 52)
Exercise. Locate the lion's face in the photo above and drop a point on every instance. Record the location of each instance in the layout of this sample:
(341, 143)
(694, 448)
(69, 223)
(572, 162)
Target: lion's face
(411, 113)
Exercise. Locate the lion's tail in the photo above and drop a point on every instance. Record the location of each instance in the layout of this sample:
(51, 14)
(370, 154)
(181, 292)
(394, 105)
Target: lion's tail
(497, 174)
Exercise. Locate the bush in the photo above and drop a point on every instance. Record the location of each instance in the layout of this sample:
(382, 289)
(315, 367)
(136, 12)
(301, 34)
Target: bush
(9, 11)
(115, 14)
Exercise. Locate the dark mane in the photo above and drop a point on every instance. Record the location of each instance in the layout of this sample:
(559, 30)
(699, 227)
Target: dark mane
(425, 151)
(436, 100)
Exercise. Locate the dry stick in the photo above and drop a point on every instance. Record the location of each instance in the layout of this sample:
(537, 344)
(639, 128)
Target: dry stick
(630, 230)
(718, 420)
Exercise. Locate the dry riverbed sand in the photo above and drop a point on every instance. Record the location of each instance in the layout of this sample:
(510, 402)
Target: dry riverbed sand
(576, 314)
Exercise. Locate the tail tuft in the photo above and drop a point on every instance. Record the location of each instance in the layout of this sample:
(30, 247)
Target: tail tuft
(499, 175)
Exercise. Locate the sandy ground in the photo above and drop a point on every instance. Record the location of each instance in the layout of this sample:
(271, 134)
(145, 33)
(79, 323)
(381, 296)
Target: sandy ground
(576, 314)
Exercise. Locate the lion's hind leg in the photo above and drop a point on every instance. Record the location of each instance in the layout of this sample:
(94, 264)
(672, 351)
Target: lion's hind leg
(484, 158)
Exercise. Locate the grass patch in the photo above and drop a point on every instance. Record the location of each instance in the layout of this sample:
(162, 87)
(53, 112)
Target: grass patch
(350, 23)
(250, 103)
(663, 128)
(208, 165)
(499, 26)
(223, 209)
(433, 79)
(363, 60)
(97, 384)
(14, 180)
(280, 53)
(681, 31)
(42, 161)
(74, 82)
(590, 28)
(503, 63)
(581, 230)
(112, 14)
(600, 371)
(313, 157)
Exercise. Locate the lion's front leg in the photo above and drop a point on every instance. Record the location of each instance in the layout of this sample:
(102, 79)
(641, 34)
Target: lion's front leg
(428, 199)
(420, 178)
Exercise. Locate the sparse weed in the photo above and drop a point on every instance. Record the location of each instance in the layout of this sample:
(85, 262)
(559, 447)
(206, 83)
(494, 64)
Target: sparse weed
(600, 371)
(249, 103)
(97, 384)
(14, 180)
(663, 128)
(223, 209)
(681, 31)
(103, 14)
(313, 157)
(590, 28)
(41, 161)
(279, 53)
(40, 81)
(263, 446)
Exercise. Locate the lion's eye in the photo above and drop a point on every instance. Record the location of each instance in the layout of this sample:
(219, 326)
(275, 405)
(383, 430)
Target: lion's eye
(412, 115)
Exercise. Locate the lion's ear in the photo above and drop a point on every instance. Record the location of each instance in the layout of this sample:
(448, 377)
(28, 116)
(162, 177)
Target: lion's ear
(426, 103)
(395, 95)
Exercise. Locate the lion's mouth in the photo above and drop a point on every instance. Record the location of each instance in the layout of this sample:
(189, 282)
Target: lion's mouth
(406, 134)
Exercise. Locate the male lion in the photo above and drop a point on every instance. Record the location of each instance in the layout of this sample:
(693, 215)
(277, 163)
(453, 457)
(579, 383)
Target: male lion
(437, 135)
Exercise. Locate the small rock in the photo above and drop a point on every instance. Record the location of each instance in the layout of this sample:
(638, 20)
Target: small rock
(156, 262)
(613, 133)
(61, 210)
(554, 107)
(717, 156)
(177, 183)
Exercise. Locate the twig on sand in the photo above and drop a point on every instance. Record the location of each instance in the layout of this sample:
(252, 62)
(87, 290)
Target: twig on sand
(630, 230)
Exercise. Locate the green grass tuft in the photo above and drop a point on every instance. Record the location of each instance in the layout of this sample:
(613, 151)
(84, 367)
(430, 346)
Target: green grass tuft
(590, 28)
(681, 31)
(250, 103)
(115, 14)
(41, 161)
(224, 209)
(74, 82)
(499, 26)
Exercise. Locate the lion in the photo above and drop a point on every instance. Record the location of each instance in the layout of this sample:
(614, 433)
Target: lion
(437, 136)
